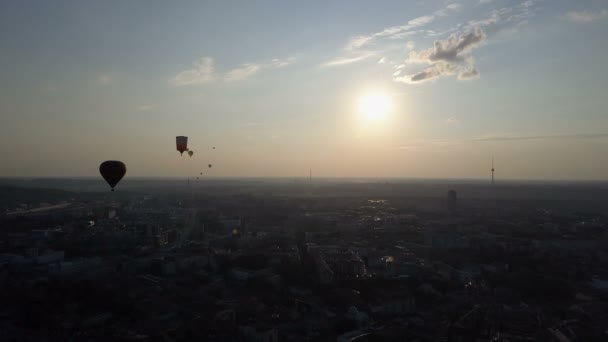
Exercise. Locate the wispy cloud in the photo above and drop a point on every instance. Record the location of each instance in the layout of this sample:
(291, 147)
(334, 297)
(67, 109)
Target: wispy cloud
(390, 32)
(357, 42)
(243, 72)
(586, 16)
(353, 50)
(452, 121)
(509, 15)
(429, 144)
(279, 63)
(443, 144)
(203, 71)
(340, 61)
(575, 136)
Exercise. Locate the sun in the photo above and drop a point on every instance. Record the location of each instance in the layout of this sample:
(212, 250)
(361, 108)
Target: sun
(374, 106)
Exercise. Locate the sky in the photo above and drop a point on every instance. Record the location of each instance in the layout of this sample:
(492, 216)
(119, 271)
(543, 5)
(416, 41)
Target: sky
(425, 89)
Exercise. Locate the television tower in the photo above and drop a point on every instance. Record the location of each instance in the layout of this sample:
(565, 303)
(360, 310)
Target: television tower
(492, 170)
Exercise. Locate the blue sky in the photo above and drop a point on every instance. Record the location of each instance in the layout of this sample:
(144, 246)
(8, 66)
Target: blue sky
(276, 86)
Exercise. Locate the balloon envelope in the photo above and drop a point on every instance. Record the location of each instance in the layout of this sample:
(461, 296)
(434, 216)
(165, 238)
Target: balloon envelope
(112, 171)
(190, 153)
(182, 144)
(210, 165)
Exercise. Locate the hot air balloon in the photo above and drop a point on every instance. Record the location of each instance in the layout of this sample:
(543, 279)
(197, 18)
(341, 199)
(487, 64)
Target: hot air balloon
(182, 144)
(190, 153)
(210, 165)
(201, 173)
(214, 147)
(112, 171)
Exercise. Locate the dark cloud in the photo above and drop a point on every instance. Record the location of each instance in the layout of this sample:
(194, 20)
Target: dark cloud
(435, 71)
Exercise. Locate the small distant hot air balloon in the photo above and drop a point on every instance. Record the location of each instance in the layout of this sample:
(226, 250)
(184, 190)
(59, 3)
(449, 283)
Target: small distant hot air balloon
(210, 165)
(214, 147)
(197, 178)
(201, 173)
(190, 153)
(182, 144)
(112, 171)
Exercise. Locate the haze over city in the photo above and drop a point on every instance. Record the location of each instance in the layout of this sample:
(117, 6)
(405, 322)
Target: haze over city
(424, 89)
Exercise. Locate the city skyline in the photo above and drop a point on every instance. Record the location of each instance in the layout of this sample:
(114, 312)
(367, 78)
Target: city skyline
(429, 89)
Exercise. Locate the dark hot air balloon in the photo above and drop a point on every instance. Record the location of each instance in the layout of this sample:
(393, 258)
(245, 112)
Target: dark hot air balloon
(112, 171)
(210, 165)
(182, 144)
(190, 153)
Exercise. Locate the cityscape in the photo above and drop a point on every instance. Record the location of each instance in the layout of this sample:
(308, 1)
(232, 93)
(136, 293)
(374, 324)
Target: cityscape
(290, 260)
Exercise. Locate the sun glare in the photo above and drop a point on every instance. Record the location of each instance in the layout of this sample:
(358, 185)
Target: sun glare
(374, 107)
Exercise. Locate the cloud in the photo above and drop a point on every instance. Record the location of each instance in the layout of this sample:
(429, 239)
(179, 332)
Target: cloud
(446, 143)
(452, 49)
(447, 57)
(202, 71)
(242, 73)
(357, 42)
(468, 73)
(382, 60)
(430, 144)
(586, 16)
(454, 55)
(279, 63)
(340, 61)
(575, 136)
(482, 2)
(510, 15)
(353, 49)
(452, 121)
(438, 69)
(399, 31)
